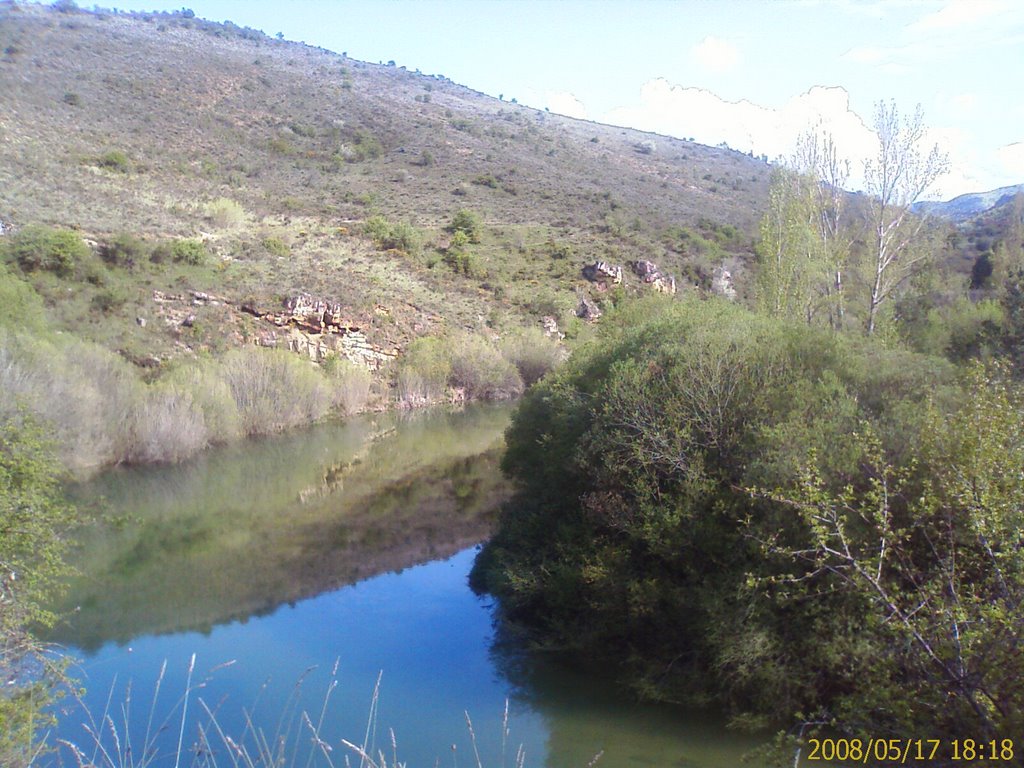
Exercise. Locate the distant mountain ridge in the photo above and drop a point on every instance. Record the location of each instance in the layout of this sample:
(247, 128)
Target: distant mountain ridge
(971, 204)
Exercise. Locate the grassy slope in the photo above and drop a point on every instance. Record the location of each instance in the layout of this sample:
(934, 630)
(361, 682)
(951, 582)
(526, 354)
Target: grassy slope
(203, 113)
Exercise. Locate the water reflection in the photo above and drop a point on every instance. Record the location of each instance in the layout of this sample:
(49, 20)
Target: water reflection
(238, 556)
(244, 529)
(585, 715)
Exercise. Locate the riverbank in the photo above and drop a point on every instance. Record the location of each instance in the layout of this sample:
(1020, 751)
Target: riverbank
(103, 411)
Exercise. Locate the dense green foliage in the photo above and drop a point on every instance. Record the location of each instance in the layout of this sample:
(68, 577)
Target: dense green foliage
(33, 517)
(53, 250)
(189, 251)
(800, 525)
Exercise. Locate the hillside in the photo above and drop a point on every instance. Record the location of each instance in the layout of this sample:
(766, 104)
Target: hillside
(973, 244)
(964, 207)
(275, 154)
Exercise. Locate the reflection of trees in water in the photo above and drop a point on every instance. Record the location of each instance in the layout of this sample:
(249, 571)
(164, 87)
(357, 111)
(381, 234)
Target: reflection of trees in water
(231, 535)
(586, 712)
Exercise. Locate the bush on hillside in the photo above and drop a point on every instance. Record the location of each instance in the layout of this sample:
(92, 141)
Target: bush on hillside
(532, 352)
(423, 372)
(274, 389)
(350, 384)
(225, 213)
(52, 250)
(478, 368)
(191, 252)
(124, 250)
(467, 222)
(398, 236)
(114, 160)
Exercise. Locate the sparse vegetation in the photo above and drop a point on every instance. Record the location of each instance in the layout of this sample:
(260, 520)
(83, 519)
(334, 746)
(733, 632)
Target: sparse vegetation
(351, 384)
(398, 236)
(225, 213)
(114, 160)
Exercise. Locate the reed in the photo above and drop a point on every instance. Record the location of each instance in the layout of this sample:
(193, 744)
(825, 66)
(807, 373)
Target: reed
(297, 739)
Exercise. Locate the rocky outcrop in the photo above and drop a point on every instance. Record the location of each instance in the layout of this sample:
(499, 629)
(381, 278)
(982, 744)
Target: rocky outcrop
(602, 273)
(317, 328)
(588, 310)
(350, 344)
(722, 284)
(649, 273)
(306, 325)
(550, 326)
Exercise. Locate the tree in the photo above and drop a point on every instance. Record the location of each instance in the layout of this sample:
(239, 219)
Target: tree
(897, 177)
(789, 248)
(931, 550)
(468, 222)
(817, 156)
(802, 247)
(33, 517)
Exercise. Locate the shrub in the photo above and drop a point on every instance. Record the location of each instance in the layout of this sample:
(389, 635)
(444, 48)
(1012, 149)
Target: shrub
(274, 389)
(72, 99)
(108, 300)
(114, 160)
(485, 180)
(532, 353)
(83, 390)
(364, 146)
(467, 222)
(168, 426)
(20, 306)
(225, 213)
(350, 384)
(463, 261)
(210, 393)
(637, 536)
(124, 250)
(423, 372)
(191, 252)
(53, 250)
(275, 246)
(281, 146)
(479, 368)
(387, 236)
(33, 540)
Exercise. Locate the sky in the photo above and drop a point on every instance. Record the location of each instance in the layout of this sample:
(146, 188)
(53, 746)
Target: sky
(754, 74)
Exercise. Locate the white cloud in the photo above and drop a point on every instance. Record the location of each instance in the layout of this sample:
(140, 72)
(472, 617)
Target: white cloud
(716, 55)
(743, 125)
(958, 13)
(863, 55)
(559, 102)
(1011, 157)
(565, 103)
(964, 102)
(696, 113)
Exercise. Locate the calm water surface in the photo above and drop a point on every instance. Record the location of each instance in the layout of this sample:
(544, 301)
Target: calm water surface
(299, 572)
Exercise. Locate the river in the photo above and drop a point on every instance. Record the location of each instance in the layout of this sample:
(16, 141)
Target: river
(315, 584)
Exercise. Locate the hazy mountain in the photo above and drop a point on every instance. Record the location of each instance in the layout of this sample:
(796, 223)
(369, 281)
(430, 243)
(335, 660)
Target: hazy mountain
(964, 207)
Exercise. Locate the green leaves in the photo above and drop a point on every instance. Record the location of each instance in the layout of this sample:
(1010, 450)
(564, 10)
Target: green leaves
(33, 519)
